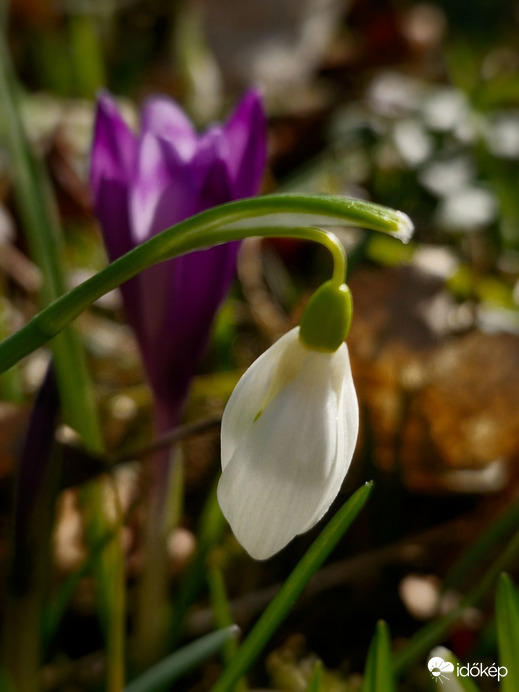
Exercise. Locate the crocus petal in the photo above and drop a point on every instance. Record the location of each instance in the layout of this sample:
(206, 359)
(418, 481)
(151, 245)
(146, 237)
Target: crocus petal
(158, 170)
(211, 171)
(112, 159)
(197, 283)
(162, 117)
(160, 195)
(114, 145)
(142, 187)
(163, 298)
(111, 206)
(284, 458)
(246, 133)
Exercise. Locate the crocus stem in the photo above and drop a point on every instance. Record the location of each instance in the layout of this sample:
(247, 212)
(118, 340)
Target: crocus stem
(209, 533)
(152, 603)
(269, 216)
(153, 610)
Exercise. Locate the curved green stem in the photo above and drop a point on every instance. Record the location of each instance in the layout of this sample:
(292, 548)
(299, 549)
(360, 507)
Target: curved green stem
(290, 216)
(340, 259)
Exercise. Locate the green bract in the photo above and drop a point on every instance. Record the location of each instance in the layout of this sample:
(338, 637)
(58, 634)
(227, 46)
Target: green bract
(327, 318)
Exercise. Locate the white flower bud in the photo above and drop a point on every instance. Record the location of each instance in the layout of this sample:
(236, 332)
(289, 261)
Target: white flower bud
(288, 435)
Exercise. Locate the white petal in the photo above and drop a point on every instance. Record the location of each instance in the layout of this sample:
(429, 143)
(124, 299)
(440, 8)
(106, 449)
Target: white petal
(347, 422)
(286, 466)
(249, 395)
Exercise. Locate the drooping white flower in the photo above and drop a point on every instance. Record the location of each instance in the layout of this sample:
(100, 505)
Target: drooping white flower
(288, 435)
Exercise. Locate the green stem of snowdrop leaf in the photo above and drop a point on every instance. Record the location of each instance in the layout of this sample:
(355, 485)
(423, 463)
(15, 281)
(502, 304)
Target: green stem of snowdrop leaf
(289, 216)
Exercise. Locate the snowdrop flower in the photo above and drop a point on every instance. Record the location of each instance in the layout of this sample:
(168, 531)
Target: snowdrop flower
(288, 435)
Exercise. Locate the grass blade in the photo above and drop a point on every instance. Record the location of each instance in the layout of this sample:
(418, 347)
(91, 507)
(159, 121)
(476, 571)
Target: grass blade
(378, 674)
(507, 617)
(505, 523)
(282, 602)
(179, 663)
(434, 631)
(41, 224)
(316, 680)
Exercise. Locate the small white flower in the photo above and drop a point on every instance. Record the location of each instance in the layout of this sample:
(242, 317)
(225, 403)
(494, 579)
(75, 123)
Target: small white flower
(288, 436)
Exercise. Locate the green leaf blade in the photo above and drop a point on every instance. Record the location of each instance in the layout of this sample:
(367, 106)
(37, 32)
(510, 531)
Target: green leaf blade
(282, 602)
(507, 616)
(316, 680)
(290, 216)
(378, 674)
(173, 667)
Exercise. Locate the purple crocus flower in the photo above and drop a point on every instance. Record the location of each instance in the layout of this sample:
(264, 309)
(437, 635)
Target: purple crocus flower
(145, 183)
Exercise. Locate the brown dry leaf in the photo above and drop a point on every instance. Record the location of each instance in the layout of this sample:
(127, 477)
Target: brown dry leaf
(443, 407)
(467, 415)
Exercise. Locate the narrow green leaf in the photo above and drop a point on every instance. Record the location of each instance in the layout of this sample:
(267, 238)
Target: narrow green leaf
(279, 607)
(10, 382)
(223, 617)
(378, 674)
(221, 609)
(291, 216)
(506, 522)
(6, 684)
(435, 631)
(87, 55)
(179, 663)
(316, 680)
(41, 224)
(507, 617)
